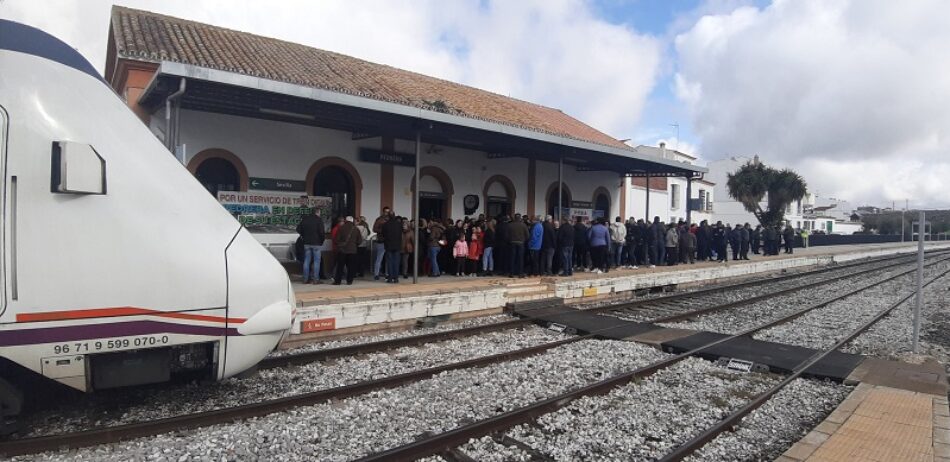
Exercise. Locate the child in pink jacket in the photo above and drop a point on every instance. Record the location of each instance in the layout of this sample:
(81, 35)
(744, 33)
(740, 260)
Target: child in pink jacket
(460, 252)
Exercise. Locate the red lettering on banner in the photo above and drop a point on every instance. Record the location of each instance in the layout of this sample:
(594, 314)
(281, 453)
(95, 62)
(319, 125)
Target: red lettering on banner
(315, 325)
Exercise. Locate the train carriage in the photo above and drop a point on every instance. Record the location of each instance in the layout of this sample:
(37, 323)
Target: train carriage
(117, 266)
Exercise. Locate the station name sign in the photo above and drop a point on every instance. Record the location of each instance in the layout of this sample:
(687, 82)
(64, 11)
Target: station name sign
(276, 184)
(392, 158)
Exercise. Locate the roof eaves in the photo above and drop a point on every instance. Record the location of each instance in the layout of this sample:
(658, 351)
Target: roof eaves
(179, 69)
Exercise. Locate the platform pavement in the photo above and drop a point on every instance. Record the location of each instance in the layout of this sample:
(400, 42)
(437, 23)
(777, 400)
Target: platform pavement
(326, 310)
(899, 412)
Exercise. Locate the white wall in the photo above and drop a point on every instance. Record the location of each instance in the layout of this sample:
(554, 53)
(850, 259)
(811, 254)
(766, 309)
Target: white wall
(287, 151)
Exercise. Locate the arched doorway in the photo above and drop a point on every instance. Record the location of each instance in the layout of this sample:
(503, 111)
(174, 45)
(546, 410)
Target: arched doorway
(336, 178)
(431, 199)
(337, 184)
(498, 196)
(552, 201)
(601, 203)
(219, 170)
(435, 193)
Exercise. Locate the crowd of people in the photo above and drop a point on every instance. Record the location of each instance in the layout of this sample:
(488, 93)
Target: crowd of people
(520, 246)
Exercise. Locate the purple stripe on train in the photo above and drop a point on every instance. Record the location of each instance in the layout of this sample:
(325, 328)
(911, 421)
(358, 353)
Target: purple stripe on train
(106, 331)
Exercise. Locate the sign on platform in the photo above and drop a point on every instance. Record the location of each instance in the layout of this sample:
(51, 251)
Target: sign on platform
(276, 184)
(590, 291)
(284, 210)
(316, 325)
(393, 158)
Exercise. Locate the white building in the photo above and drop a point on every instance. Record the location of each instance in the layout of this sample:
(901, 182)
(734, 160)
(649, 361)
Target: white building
(247, 113)
(668, 195)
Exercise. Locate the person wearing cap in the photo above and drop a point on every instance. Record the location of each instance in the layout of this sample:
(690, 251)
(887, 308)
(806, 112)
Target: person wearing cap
(347, 240)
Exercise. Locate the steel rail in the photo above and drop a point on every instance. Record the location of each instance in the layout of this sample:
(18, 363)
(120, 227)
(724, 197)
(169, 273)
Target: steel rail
(752, 283)
(307, 357)
(757, 298)
(460, 435)
(684, 450)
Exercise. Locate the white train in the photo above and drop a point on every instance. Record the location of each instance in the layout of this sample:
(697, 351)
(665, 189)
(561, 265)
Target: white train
(116, 266)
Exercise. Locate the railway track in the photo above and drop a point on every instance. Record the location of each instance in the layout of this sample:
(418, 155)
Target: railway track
(446, 444)
(671, 304)
(130, 431)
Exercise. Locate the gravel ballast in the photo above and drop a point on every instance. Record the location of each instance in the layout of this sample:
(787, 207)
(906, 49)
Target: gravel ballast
(643, 420)
(387, 418)
(784, 419)
(137, 405)
(818, 329)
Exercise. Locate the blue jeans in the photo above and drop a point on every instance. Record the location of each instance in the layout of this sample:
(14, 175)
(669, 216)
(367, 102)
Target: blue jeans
(311, 254)
(616, 252)
(567, 254)
(380, 249)
(393, 259)
(517, 258)
(488, 260)
(434, 260)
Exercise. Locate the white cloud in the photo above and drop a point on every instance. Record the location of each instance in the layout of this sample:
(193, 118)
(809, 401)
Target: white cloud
(851, 93)
(555, 53)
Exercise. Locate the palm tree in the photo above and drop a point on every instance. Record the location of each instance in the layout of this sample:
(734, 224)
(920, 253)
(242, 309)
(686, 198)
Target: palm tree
(755, 182)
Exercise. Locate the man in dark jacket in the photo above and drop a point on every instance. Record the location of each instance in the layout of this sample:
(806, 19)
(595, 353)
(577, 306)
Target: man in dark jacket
(548, 245)
(659, 241)
(789, 236)
(744, 239)
(379, 245)
(565, 245)
(312, 232)
(735, 241)
(392, 239)
(719, 241)
(756, 239)
(347, 240)
(517, 235)
(502, 246)
(580, 244)
(769, 234)
(702, 241)
(632, 244)
(648, 244)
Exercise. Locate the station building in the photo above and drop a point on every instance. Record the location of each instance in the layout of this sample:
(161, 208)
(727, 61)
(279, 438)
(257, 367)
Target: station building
(244, 112)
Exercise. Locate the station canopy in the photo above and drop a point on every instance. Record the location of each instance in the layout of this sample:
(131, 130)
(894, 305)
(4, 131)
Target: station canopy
(242, 74)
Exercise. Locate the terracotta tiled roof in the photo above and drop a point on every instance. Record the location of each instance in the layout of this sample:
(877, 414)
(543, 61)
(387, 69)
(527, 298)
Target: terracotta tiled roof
(146, 36)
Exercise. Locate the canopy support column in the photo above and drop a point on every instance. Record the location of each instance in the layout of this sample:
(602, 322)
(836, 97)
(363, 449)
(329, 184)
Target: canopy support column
(415, 211)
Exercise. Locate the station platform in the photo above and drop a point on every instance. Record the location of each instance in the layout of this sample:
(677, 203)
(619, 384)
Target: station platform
(898, 412)
(326, 311)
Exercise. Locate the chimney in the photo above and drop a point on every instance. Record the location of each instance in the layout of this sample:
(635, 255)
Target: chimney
(663, 149)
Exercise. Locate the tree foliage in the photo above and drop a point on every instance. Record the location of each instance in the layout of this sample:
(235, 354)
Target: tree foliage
(755, 183)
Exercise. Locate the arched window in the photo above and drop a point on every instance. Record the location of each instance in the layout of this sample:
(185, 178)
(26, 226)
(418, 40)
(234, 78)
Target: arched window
(601, 205)
(217, 174)
(336, 183)
(552, 200)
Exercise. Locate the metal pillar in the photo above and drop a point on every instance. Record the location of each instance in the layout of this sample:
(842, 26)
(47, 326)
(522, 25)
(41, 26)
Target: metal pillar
(560, 186)
(646, 210)
(920, 277)
(689, 194)
(415, 212)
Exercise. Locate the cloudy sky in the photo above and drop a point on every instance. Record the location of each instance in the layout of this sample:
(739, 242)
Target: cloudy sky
(855, 95)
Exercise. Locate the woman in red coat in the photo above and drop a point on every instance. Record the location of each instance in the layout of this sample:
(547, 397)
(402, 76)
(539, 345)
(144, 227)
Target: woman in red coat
(475, 251)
